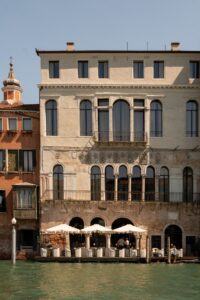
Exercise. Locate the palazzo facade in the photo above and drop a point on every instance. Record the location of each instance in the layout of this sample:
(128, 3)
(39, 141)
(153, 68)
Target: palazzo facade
(120, 141)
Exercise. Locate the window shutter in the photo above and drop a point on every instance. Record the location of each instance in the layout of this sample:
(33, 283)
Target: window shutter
(21, 160)
(34, 158)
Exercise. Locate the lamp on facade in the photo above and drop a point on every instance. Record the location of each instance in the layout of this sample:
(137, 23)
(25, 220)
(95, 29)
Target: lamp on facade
(13, 222)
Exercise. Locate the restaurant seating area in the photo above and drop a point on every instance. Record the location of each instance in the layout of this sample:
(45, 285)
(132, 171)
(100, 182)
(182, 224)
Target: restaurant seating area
(92, 252)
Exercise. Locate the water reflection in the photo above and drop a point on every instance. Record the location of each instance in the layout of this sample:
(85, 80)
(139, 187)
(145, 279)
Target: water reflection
(98, 281)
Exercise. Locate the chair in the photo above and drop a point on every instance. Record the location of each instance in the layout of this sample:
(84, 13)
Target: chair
(122, 253)
(99, 252)
(133, 252)
(43, 252)
(78, 252)
(67, 253)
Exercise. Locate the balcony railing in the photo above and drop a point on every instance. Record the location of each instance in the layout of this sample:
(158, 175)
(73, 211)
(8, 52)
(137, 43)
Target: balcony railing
(122, 136)
(173, 197)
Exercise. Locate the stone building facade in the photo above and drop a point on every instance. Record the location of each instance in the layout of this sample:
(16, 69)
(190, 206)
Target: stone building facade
(19, 168)
(120, 141)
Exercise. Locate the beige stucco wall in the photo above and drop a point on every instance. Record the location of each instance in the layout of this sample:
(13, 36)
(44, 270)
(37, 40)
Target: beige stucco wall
(77, 154)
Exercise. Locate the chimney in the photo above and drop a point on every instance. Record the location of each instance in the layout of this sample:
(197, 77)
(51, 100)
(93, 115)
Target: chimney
(70, 46)
(175, 46)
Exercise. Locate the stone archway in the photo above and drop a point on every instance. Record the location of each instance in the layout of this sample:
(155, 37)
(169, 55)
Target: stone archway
(98, 240)
(115, 237)
(175, 234)
(77, 240)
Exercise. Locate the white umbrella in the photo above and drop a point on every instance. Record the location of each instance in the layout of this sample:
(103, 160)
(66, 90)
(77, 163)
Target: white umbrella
(63, 228)
(96, 228)
(129, 228)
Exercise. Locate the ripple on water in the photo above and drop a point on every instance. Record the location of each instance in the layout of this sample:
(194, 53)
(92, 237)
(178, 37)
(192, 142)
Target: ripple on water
(49, 281)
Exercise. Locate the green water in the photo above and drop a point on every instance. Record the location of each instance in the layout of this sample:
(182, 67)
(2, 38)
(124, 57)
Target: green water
(87, 281)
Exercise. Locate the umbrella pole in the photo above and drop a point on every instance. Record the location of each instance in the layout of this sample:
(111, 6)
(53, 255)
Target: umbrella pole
(87, 238)
(67, 241)
(108, 241)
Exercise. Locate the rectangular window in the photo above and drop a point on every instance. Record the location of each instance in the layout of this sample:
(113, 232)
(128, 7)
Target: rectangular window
(82, 69)
(12, 124)
(139, 120)
(24, 198)
(103, 69)
(194, 69)
(1, 124)
(103, 102)
(2, 160)
(27, 160)
(12, 160)
(138, 69)
(2, 201)
(103, 119)
(27, 124)
(54, 69)
(158, 69)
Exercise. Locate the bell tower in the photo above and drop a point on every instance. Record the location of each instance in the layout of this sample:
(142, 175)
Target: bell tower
(12, 90)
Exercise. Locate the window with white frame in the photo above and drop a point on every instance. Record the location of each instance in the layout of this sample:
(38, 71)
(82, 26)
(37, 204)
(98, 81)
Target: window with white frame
(27, 124)
(27, 160)
(24, 198)
(12, 124)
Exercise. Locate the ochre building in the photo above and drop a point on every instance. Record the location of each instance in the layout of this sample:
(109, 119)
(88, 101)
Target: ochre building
(19, 169)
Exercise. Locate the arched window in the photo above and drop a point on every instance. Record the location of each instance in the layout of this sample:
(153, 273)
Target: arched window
(187, 184)
(136, 184)
(95, 183)
(109, 183)
(86, 118)
(51, 117)
(58, 182)
(191, 118)
(164, 184)
(156, 118)
(121, 121)
(122, 184)
(150, 184)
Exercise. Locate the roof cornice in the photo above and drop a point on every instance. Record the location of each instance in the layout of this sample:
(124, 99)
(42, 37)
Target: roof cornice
(117, 86)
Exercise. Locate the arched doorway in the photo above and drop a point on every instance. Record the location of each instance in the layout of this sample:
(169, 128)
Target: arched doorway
(175, 234)
(98, 240)
(115, 237)
(77, 240)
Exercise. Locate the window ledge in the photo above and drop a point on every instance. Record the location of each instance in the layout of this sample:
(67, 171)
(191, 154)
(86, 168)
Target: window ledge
(11, 131)
(27, 131)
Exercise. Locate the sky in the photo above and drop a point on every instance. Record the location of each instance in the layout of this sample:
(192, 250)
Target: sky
(92, 25)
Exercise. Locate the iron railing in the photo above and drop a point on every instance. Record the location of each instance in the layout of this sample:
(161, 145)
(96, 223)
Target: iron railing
(120, 136)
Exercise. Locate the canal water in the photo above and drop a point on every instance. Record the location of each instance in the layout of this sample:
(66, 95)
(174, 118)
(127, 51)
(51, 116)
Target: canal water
(99, 281)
